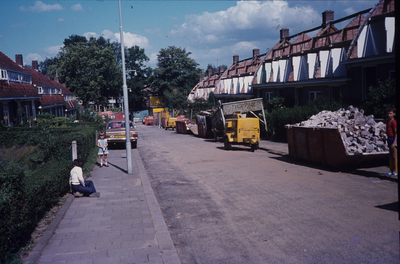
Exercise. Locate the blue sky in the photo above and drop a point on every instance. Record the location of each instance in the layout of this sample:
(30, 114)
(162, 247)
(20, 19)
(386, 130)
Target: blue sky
(213, 31)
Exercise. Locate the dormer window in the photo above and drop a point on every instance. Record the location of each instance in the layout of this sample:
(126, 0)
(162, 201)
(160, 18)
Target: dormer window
(3, 75)
(40, 89)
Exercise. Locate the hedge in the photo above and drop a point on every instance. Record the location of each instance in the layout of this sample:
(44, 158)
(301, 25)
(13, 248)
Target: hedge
(26, 195)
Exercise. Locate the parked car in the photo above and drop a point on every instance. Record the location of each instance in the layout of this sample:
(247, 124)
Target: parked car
(115, 133)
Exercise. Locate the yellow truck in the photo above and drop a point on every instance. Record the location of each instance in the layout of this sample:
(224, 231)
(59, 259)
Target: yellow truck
(237, 128)
(171, 123)
(240, 130)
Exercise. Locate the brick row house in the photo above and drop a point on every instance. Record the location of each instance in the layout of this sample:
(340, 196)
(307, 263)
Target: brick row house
(336, 63)
(25, 92)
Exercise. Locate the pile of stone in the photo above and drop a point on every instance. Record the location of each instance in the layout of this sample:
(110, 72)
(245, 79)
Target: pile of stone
(360, 134)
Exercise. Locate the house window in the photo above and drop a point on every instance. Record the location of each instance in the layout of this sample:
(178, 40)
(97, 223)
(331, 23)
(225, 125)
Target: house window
(40, 89)
(312, 95)
(3, 75)
(269, 96)
(13, 76)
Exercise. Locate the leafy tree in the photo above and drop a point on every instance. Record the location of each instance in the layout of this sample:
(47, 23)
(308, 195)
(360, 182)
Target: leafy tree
(175, 76)
(137, 75)
(89, 69)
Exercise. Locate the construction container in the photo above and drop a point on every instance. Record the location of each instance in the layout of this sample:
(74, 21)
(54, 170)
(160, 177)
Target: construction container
(324, 145)
(204, 125)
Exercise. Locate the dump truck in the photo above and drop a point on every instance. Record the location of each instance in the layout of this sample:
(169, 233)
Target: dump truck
(238, 123)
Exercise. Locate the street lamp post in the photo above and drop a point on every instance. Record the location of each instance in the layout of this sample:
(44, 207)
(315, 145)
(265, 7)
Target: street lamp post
(125, 93)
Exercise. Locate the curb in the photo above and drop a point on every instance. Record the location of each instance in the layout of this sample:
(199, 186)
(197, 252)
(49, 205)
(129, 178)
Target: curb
(165, 243)
(272, 151)
(44, 240)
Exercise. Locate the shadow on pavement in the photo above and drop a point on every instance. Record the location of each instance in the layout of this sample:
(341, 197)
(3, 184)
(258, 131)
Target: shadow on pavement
(391, 206)
(374, 169)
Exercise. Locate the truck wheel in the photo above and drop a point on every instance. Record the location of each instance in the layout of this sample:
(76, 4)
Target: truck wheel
(227, 144)
(253, 147)
(134, 144)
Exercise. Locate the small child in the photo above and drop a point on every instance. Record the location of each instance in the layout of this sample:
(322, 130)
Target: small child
(391, 132)
(103, 150)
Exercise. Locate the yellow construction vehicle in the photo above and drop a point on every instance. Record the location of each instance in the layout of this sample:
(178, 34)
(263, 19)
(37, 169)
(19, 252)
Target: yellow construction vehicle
(238, 129)
(170, 123)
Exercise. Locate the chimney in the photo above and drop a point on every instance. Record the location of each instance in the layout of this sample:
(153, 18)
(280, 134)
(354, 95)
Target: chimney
(209, 72)
(327, 17)
(48, 76)
(256, 53)
(235, 59)
(221, 69)
(284, 33)
(35, 65)
(19, 60)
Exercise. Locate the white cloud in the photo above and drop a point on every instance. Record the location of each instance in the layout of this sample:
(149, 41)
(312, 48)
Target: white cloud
(61, 20)
(89, 35)
(130, 39)
(33, 57)
(349, 11)
(251, 20)
(52, 51)
(42, 7)
(153, 59)
(77, 7)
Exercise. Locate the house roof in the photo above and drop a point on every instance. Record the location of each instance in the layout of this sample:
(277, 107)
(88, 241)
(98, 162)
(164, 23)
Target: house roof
(8, 63)
(50, 100)
(71, 104)
(17, 90)
(38, 78)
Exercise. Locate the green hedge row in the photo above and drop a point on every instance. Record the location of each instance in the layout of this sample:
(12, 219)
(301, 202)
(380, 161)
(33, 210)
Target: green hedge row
(25, 199)
(26, 195)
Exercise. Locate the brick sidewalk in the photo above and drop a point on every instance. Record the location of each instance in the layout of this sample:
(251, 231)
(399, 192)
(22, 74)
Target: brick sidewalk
(124, 225)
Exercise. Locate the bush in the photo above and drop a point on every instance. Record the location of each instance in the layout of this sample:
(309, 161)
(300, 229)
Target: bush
(379, 98)
(12, 219)
(34, 179)
(25, 199)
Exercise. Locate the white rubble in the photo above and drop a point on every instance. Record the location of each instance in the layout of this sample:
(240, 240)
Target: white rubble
(360, 134)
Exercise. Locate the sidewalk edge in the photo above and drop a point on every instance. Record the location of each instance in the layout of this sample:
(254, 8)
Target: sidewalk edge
(44, 240)
(165, 243)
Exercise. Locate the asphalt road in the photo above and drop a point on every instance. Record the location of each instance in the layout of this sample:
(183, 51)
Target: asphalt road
(242, 207)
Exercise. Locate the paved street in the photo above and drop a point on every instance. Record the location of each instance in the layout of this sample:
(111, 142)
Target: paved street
(242, 207)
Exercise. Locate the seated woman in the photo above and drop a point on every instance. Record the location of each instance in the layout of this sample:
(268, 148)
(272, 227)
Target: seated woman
(79, 186)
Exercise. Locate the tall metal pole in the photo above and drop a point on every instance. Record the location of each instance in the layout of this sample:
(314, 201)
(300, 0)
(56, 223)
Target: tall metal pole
(125, 93)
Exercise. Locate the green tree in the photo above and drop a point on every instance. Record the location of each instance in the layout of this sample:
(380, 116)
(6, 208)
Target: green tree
(90, 69)
(137, 75)
(175, 76)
